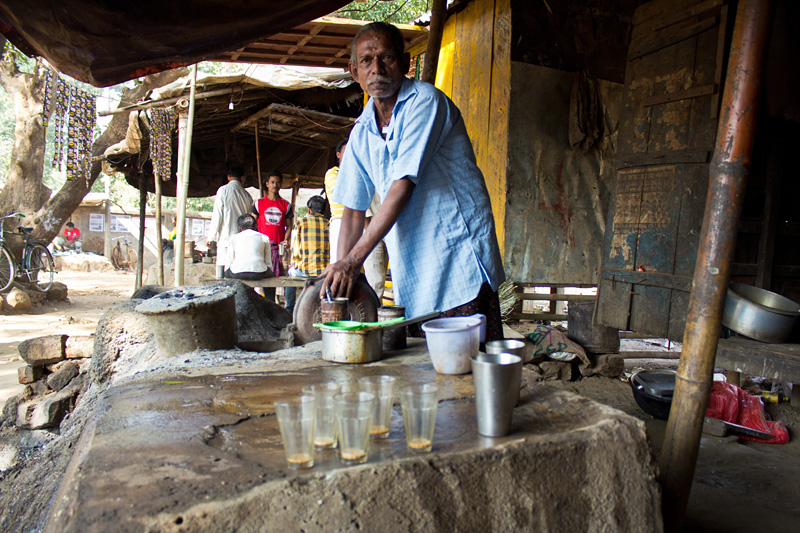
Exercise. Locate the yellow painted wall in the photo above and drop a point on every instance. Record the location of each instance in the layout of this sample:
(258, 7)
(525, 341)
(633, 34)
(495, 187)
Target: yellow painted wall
(475, 71)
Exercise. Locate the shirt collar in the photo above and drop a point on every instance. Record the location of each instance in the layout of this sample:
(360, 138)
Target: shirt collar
(367, 118)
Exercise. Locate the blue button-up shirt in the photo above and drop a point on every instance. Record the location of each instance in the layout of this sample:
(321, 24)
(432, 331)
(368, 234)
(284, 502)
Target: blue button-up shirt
(443, 246)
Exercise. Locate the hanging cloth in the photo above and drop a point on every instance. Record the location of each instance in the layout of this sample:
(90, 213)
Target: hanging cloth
(162, 122)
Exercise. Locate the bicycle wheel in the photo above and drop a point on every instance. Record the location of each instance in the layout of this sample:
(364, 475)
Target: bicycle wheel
(7, 269)
(116, 259)
(40, 267)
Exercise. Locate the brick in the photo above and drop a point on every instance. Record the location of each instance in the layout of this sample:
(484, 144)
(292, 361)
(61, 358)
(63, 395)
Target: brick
(61, 377)
(28, 374)
(41, 351)
(37, 388)
(79, 347)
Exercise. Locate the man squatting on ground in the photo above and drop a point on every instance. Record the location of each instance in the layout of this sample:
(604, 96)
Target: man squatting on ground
(411, 145)
(71, 239)
(231, 202)
(251, 253)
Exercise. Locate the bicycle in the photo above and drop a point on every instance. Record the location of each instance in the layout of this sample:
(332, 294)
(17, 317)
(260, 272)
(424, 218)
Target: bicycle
(123, 260)
(36, 265)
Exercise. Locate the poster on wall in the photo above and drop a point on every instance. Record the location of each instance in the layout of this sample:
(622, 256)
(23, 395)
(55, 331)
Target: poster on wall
(121, 223)
(198, 227)
(96, 222)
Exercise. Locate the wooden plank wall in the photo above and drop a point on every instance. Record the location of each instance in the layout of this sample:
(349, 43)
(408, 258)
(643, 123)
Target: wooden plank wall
(479, 40)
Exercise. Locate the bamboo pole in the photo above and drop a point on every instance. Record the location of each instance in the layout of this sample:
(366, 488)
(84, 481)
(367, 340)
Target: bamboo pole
(107, 215)
(728, 174)
(159, 233)
(140, 247)
(258, 167)
(185, 155)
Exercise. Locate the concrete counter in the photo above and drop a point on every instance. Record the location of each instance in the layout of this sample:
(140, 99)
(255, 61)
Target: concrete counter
(201, 451)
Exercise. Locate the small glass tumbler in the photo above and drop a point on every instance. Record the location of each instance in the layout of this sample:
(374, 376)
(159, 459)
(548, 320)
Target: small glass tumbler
(353, 418)
(383, 389)
(297, 421)
(419, 404)
(326, 416)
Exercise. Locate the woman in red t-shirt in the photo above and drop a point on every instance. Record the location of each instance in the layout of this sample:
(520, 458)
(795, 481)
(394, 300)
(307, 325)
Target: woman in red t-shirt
(274, 219)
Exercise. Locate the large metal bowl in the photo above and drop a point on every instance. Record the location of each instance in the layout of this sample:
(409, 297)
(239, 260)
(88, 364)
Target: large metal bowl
(759, 314)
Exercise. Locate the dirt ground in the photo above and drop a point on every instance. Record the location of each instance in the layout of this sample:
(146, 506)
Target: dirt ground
(90, 295)
(738, 486)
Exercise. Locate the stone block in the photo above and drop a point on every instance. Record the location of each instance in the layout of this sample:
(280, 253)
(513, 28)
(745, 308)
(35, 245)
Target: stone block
(37, 388)
(18, 300)
(49, 411)
(554, 370)
(11, 407)
(79, 346)
(607, 365)
(28, 374)
(61, 377)
(37, 297)
(41, 351)
(57, 293)
(25, 410)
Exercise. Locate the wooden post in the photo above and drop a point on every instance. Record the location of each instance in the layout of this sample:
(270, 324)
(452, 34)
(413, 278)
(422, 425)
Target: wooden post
(140, 247)
(184, 157)
(258, 166)
(727, 179)
(438, 16)
(159, 234)
(107, 224)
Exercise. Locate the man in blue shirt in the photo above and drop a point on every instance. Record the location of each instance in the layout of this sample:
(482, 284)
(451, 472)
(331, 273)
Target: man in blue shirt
(410, 145)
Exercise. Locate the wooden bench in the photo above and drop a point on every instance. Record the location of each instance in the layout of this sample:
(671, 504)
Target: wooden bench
(775, 361)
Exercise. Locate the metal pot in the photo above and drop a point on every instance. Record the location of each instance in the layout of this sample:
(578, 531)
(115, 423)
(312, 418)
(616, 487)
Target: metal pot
(759, 314)
(360, 345)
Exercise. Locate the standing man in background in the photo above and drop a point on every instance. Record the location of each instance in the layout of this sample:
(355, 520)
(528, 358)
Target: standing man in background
(231, 202)
(274, 215)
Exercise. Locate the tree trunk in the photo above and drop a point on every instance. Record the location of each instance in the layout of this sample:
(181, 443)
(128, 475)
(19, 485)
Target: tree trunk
(24, 190)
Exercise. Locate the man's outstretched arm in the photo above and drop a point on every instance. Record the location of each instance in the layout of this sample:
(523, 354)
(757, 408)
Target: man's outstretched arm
(354, 247)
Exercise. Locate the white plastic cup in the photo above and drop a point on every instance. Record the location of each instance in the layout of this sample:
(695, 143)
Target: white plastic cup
(452, 342)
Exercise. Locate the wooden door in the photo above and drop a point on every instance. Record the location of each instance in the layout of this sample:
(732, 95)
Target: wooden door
(672, 87)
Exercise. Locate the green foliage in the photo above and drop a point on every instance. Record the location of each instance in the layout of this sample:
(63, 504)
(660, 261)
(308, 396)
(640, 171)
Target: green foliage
(396, 11)
(192, 204)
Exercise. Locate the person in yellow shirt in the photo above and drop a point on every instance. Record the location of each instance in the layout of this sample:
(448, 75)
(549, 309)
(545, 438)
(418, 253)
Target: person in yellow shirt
(336, 209)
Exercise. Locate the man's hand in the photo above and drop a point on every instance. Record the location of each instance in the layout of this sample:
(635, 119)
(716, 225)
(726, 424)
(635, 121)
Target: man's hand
(340, 277)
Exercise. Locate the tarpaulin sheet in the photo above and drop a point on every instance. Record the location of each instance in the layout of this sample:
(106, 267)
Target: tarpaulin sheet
(104, 43)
